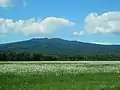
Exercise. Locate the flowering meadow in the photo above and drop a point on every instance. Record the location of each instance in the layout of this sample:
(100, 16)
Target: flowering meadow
(59, 76)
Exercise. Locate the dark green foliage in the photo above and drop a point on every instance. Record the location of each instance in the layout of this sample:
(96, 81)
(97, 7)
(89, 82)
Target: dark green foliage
(24, 56)
(108, 57)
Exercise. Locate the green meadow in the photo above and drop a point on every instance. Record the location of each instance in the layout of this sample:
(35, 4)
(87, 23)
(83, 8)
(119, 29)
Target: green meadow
(59, 76)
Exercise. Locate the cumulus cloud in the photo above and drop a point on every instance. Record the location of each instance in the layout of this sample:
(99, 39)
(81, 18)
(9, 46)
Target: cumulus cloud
(33, 26)
(106, 23)
(81, 33)
(5, 3)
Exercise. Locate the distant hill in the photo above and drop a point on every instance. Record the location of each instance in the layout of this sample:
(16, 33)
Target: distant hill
(60, 46)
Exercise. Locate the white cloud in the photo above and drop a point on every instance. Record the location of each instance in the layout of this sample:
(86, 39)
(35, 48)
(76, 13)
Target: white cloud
(81, 33)
(106, 23)
(102, 43)
(11, 3)
(32, 26)
(5, 3)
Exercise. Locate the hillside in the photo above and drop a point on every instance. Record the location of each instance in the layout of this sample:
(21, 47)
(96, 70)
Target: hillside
(57, 45)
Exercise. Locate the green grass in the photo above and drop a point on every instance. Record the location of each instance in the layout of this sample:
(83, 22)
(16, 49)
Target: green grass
(98, 81)
(63, 81)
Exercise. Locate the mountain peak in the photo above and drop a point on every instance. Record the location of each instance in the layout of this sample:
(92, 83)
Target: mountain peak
(36, 39)
(47, 39)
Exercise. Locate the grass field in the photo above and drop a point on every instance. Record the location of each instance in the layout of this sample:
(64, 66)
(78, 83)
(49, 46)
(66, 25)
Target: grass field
(59, 76)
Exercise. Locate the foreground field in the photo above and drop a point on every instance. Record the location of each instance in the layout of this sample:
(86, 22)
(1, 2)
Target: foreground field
(59, 76)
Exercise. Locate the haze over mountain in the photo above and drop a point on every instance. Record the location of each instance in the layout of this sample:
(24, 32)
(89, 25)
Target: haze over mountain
(60, 46)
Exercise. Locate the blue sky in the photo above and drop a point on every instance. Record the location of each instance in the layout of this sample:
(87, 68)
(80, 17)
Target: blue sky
(96, 21)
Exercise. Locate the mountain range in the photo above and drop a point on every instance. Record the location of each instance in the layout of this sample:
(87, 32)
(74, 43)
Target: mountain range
(57, 45)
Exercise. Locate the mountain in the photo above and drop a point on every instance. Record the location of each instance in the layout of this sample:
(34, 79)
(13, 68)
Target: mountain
(57, 45)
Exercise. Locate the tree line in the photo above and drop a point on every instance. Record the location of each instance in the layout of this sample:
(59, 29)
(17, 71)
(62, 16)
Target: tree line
(26, 56)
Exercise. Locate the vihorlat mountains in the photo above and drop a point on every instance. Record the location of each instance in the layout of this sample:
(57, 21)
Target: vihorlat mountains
(58, 46)
(56, 62)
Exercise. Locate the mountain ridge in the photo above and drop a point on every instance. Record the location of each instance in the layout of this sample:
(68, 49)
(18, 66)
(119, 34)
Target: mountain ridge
(58, 45)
